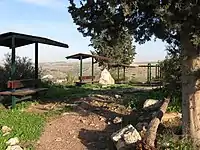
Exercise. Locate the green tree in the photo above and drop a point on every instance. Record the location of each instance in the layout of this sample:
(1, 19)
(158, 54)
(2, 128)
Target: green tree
(171, 70)
(174, 21)
(120, 50)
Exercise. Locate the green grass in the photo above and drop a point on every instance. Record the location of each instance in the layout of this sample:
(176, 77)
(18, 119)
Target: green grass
(26, 126)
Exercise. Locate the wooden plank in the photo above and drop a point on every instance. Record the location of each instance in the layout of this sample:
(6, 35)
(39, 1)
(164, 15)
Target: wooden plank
(23, 92)
(86, 77)
(5, 93)
(27, 91)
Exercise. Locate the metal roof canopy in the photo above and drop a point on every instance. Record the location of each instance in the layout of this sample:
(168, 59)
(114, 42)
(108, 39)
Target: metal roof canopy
(85, 56)
(24, 39)
(82, 56)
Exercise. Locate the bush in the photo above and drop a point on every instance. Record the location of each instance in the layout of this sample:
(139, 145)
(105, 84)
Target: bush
(24, 69)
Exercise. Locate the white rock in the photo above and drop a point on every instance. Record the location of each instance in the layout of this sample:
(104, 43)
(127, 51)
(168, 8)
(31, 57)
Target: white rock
(125, 137)
(6, 129)
(150, 102)
(117, 96)
(13, 141)
(120, 134)
(131, 136)
(106, 78)
(7, 133)
(117, 120)
(15, 147)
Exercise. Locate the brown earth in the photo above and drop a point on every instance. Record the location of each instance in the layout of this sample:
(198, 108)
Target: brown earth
(88, 127)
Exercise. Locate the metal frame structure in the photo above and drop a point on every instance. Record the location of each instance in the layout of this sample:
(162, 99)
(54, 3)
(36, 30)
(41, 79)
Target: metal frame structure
(81, 56)
(118, 66)
(149, 71)
(14, 40)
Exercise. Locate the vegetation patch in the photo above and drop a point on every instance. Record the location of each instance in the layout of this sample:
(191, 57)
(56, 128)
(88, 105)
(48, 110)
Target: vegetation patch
(26, 126)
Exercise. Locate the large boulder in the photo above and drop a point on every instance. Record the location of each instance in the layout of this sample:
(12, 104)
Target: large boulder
(106, 78)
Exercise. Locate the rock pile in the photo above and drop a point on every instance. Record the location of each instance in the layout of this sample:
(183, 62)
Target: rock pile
(12, 143)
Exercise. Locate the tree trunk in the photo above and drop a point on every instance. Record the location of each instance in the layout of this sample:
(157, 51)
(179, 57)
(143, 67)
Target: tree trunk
(153, 125)
(190, 89)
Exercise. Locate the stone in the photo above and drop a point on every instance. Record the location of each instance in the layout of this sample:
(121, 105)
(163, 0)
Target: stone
(6, 129)
(92, 124)
(117, 120)
(117, 96)
(58, 139)
(131, 136)
(83, 121)
(13, 141)
(101, 118)
(15, 147)
(125, 137)
(129, 128)
(106, 78)
(150, 102)
(7, 133)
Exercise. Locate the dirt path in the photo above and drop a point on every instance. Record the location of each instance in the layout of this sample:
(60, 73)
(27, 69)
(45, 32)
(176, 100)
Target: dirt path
(88, 127)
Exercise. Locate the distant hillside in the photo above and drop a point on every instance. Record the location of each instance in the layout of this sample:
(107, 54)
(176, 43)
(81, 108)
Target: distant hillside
(61, 69)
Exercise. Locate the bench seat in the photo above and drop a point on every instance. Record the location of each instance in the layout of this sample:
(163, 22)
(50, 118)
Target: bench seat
(23, 92)
(22, 89)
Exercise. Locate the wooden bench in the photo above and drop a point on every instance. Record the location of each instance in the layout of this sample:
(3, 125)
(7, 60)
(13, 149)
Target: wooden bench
(86, 79)
(22, 89)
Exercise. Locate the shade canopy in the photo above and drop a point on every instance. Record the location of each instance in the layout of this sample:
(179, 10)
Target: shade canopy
(85, 56)
(24, 39)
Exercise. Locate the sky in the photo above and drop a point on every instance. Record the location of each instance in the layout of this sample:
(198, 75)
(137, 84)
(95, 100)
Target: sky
(50, 18)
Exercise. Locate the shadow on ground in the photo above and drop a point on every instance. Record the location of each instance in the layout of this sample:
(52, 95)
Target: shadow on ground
(107, 107)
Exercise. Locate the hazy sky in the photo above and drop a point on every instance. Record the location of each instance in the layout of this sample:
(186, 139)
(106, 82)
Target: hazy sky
(50, 18)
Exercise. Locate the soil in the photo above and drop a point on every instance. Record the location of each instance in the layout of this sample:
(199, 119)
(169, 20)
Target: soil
(89, 126)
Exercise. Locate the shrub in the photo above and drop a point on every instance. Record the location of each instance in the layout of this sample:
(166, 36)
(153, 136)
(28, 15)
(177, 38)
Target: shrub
(24, 69)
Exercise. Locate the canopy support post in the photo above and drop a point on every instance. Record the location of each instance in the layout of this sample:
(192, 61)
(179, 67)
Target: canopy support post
(13, 69)
(36, 63)
(92, 69)
(81, 68)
